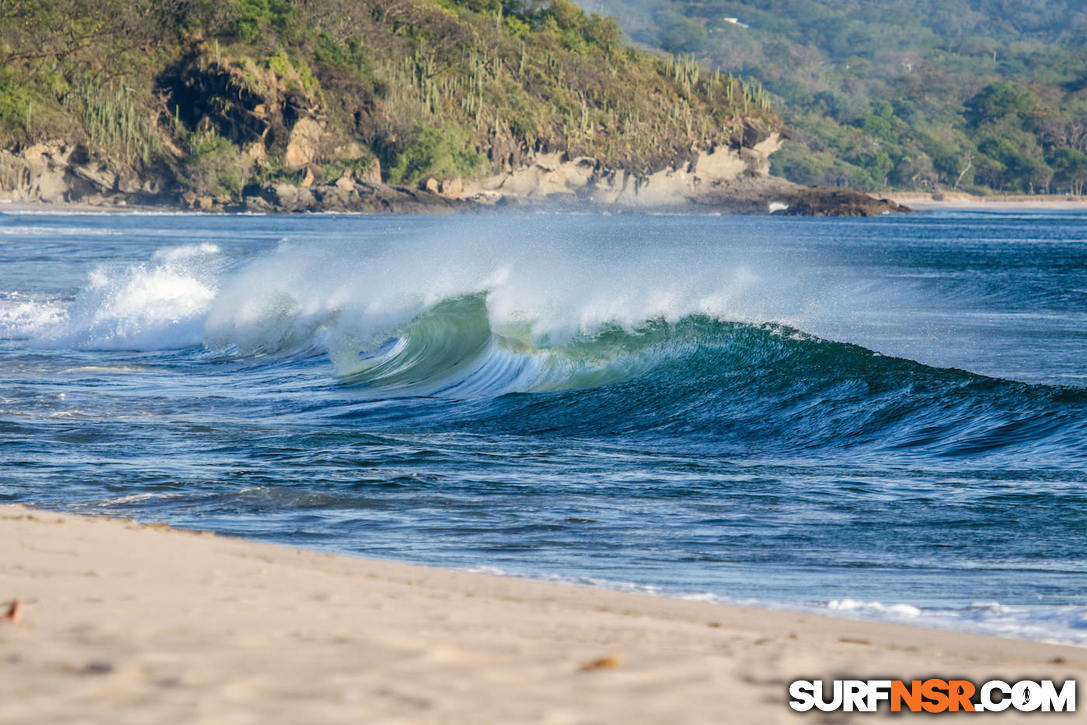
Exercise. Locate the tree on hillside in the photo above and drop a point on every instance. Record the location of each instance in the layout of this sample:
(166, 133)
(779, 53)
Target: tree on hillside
(1069, 170)
(910, 80)
(1001, 102)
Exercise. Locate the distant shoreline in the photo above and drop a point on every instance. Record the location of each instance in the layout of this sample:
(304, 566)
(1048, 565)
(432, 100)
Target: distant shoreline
(958, 200)
(911, 200)
(117, 618)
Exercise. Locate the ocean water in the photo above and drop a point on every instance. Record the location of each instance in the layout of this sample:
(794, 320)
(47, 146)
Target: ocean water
(877, 418)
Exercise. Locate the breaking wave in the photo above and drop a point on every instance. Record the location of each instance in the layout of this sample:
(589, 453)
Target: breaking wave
(685, 352)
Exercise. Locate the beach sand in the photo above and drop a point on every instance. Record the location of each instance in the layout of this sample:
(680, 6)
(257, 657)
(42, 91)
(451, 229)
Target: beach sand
(123, 623)
(968, 202)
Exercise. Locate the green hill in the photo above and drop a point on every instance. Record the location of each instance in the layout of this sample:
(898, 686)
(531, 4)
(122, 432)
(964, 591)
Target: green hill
(984, 95)
(216, 97)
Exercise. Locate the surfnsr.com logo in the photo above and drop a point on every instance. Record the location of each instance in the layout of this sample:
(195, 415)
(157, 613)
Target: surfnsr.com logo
(932, 696)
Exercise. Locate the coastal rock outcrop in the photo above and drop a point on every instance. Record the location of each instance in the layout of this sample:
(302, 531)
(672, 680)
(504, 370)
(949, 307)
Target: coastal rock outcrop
(557, 178)
(822, 201)
(58, 172)
(726, 179)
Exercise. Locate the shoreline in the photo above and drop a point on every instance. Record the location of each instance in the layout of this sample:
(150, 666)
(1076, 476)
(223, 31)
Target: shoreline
(124, 622)
(917, 202)
(759, 195)
(958, 201)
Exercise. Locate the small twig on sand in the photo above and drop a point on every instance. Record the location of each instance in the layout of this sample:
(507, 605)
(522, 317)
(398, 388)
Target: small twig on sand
(15, 612)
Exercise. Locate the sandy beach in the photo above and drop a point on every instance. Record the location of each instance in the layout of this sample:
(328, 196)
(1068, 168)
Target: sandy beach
(961, 201)
(127, 623)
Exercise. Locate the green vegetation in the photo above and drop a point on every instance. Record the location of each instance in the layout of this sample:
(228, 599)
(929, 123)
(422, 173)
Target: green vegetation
(113, 118)
(983, 95)
(216, 92)
(444, 155)
(213, 165)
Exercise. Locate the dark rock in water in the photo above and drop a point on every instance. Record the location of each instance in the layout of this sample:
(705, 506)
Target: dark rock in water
(837, 202)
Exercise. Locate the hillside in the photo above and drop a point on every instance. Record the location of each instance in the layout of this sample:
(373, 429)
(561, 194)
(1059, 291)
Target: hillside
(219, 102)
(979, 95)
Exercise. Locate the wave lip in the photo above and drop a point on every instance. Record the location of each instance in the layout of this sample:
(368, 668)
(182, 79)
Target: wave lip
(452, 350)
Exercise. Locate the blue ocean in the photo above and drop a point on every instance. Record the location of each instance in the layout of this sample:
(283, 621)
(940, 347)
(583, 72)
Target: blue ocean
(864, 417)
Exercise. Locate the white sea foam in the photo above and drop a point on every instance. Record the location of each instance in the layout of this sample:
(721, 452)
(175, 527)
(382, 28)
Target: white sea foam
(544, 284)
(892, 610)
(30, 315)
(347, 302)
(136, 498)
(1064, 624)
(158, 304)
(106, 370)
(344, 297)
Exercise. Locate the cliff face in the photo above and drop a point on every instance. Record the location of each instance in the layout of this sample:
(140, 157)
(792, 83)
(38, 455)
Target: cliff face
(62, 173)
(57, 172)
(558, 178)
(729, 179)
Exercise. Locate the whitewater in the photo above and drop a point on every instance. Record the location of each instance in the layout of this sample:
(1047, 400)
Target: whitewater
(880, 418)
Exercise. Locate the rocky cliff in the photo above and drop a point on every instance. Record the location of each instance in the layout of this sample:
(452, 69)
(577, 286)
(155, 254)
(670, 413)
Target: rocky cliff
(558, 177)
(729, 179)
(367, 106)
